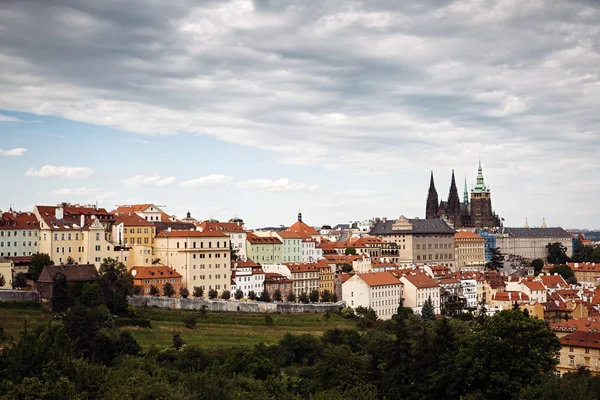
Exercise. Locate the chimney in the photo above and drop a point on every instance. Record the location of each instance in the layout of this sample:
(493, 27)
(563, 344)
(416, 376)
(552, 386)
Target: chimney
(169, 229)
(82, 219)
(59, 212)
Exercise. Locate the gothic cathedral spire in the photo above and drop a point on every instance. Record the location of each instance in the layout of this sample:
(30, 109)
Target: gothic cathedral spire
(466, 193)
(453, 199)
(432, 210)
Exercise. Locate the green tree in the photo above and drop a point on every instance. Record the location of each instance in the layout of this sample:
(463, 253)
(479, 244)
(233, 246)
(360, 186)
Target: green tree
(233, 253)
(303, 298)
(264, 296)
(326, 296)
(583, 253)
(239, 294)
(154, 291)
(350, 251)
(213, 294)
(178, 342)
(70, 261)
(184, 292)
(565, 271)
(37, 264)
(557, 253)
(252, 295)
(198, 292)
(2, 280)
(190, 321)
(537, 265)
(314, 296)
(277, 295)
(168, 289)
(226, 295)
(496, 259)
(334, 298)
(20, 281)
(116, 284)
(515, 350)
(291, 297)
(427, 310)
(60, 293)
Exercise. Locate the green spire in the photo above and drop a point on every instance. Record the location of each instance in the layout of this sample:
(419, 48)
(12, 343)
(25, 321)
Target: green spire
(480, 186)
(466, 193)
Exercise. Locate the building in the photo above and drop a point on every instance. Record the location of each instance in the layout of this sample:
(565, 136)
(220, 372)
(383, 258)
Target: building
(530, 243)
(247, 276)
(292, 246)
(305, 277)
(264, 249)
(326, 279)
(311, 252)
(275, 281)
(19, 234)
(418, 287)
(202, 258)
(490, 243)
(155, 275)
(506, 300)
(301, 227)
(475, 212)
(150, 212)
(6, 271)
(236, 231)
(469, 291)
(534, 289)
(579, 349)
(74, 273)
(130, 230)
(469, 249)
(83, 233)
(380, 291)
(419, 241)
(452, 300)
(586, 272)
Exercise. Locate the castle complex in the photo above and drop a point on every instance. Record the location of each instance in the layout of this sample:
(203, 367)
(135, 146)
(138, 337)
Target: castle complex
(473, 212)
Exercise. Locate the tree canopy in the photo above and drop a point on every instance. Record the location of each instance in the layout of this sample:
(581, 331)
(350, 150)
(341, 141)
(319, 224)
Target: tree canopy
(557, 253)
(37, 264)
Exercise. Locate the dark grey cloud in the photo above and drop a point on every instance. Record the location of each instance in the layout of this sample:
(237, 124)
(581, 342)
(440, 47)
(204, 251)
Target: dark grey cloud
(382, 85)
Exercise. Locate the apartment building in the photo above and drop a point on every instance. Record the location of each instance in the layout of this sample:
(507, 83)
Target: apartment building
(264, 249)
(469, 249)
(19, 234)
(235, 231)
(380, 291)
(418, 287)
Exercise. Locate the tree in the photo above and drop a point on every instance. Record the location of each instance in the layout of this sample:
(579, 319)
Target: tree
(239, 294)
(168, 289)
(252, 295)
(20, 281)
(60, 293)
(37, 264)
(116, 284)
(233, 252)
(177, 341)
(314, 296)
(537, 265)
(427, 310)
(291, 297)
(2, 280)
(345, 267)
(334, 298)
(213, 294)
(190, 321)
(350, 251)
(70, 261)
(156, 261)
(563, 270)
(304, 298)
(226, 295)
(277, 295)
(496, 259)
(326, 296)
(264, 296)
(154, 291)
(557, 253)
(198, 292)
(184, 292)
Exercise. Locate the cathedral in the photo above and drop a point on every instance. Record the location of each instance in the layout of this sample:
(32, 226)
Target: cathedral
(473, 212)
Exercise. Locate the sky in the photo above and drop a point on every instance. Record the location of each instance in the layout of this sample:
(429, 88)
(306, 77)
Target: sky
(338, 108)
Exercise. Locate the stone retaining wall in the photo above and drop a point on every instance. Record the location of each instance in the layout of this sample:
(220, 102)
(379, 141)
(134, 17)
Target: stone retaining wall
(232, 305)
(18, 295)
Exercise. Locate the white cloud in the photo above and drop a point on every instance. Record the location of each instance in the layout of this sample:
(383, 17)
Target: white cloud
(74, 192)
(62, 171)
(355, 193)
(148, 180)
(277, 185)
(209, 180)
(19, 151)
(6, 118)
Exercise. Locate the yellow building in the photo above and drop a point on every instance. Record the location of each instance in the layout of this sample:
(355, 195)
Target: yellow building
(82, 233)
(469, 249)
(326, 279)
(6, 270)
(130, 229)
(202, 258)
(580, 349)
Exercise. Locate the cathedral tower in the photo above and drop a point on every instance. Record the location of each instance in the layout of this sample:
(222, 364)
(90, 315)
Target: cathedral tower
(481, 203)
(453, 208)
(432, 211)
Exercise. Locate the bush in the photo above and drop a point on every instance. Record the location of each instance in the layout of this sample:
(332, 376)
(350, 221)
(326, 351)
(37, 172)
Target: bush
(213, 294)
(268, 319)
(139, 322)
(190, 321)
(252, 295)
(184, 292)
(347, 313)
(239, 294)
(226, 295)
(198, 292)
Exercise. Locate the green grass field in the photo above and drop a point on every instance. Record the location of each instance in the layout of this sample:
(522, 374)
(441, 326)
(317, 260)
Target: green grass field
(216, 329)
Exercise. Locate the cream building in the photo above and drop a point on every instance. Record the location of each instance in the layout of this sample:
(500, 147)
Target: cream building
(418, 287)
(531, 243)
(19, 234)
(6, 270)
(579, 349)
(469, 249)
(202, 258)
(235, 230)
(380, 291)
(419, 241)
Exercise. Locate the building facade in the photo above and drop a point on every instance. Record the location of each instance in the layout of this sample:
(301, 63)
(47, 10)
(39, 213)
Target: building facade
(264, 249)
(469, 249)
(19, 234)
(305, 278)
(380, 291)
(235, 230)
(530, 243)
(247, 276)
(417, 289)
(155, 275)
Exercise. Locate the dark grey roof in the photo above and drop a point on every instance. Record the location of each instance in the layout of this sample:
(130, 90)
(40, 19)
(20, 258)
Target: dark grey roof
(537, 232)
(74, 273)
(341, 226)
(176, 226)
(420, 226)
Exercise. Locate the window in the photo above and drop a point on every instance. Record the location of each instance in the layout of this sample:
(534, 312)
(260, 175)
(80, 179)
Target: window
(587, 350)
(97, 235)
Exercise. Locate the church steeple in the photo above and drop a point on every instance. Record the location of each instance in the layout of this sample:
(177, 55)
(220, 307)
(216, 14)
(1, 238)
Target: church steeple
(480, 186)
(453, 199)
(432, 208)
(466, 193)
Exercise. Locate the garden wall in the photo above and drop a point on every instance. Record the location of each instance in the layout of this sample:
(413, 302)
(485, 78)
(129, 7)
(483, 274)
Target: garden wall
(18, 295)
(232, 305)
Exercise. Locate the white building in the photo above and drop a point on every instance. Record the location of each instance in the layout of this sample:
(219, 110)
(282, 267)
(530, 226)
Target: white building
(247, 276)
(19, 234)
(311, 251)
(235, 231)
(531, 243)
(418, 287)
(469, 290)
(380, 291)
(534, 289)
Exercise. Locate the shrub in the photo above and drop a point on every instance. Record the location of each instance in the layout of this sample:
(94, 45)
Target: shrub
(198, 292)
(213, 294)
(226, 295)
(190, 321)
(347, 312)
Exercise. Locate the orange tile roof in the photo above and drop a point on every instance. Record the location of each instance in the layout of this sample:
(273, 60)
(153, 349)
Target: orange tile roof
(18, 220)
(290, 235)
(579, 324)
(344, 276)
(553, 281)
(133, 208)
(421, 281)
(379, 278)
(254, 239)
(301, 227)
(220, 226)
(468, 235)
(149, 272)
(301, 267)
(533, 285)
(510, 296)
(190, 234)
(131, 219)
(582, 339)
(242, 264)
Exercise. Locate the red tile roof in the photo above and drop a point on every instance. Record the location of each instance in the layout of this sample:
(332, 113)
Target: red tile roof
(18, 220)
(510, 296)
(254, 239)
(301, 227)
(579, 324)
(134, 208)
(301, 267)
(379, 278)
(154, 271)
(552, 281)
(582, 339)
(220, 226)
(533, 285)
(421, 281)
(242, 264)
(131, 219)
(463, 235)
(179, 234)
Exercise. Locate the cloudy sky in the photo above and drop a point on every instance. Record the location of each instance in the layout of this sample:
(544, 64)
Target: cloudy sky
(339, 108)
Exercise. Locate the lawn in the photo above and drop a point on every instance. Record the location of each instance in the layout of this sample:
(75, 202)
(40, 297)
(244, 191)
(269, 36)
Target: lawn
(13, 321)
(230, 329)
